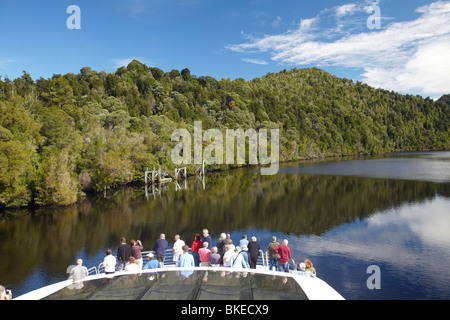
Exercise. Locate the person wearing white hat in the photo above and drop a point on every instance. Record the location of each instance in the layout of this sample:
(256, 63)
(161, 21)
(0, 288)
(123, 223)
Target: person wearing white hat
(152, 263)
(238, 259)
(303, 271)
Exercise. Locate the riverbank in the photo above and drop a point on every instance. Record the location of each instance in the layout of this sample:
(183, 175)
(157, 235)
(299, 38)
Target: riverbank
(191, 169)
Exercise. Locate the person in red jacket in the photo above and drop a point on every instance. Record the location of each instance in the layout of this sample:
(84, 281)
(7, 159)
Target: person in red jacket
(284, 254)
(197, 244)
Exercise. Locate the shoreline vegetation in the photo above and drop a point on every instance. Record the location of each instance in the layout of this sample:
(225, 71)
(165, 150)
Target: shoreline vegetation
(75, 133)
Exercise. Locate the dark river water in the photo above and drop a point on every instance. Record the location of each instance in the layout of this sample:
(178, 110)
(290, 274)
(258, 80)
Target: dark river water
(346, 216)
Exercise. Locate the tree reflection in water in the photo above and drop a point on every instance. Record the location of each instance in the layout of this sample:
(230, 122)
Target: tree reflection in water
(292, 204)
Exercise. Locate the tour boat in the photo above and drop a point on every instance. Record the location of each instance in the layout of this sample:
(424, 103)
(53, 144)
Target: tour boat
(186, 284)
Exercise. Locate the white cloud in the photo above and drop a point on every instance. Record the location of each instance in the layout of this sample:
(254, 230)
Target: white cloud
(346, 9)
(409, 56)
(428, 220)
(428, 70)
(255, 61)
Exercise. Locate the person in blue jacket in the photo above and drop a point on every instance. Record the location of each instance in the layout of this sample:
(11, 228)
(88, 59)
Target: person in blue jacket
(152, 263)
(160, 248)
(207, 238)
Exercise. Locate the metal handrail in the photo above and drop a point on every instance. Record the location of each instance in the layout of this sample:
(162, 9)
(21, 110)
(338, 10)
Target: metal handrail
(292, 264)
(92, 269)
(168, 260)
(264, 260)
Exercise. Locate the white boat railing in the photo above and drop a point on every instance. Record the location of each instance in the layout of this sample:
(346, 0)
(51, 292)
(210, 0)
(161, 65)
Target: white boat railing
(262, 262)
(93, 270)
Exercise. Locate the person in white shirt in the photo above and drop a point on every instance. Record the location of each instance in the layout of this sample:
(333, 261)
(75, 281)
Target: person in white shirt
(79, 272)
(228, 256)
(177, 249)
(230, 243)
(133, 266)
(109, 262)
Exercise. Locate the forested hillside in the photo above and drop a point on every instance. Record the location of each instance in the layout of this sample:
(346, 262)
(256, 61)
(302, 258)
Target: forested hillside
(95, 129)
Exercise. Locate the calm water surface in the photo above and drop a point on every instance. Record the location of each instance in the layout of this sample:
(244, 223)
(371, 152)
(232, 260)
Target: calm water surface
(392, 212)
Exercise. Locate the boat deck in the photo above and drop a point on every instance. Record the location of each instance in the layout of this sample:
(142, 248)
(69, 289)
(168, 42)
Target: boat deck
(190, 283)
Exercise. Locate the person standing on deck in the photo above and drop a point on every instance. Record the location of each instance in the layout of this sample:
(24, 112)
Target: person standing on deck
(196, 245)
(214, 258)
(207, 238)
(246, 254)
(243, 241)
(230, 243)
(273, 263)
(160, 248)
(186, 259)
(79, 272)
(204, 253)
(253, 251)
(221, 246)
(284, 254)
(177, 249)
(228, 256)
(136, 248)
(109, 262)
(123, 254)
(238, 259)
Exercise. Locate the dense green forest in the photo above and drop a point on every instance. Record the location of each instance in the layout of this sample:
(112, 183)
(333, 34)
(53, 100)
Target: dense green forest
(93, 130)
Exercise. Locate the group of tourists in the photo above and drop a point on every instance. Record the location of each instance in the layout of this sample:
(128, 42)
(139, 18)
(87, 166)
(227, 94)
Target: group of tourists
(224, 254)
(279, 256)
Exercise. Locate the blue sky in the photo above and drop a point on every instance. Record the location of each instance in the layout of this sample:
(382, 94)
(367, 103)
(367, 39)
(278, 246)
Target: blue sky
(232, 39)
